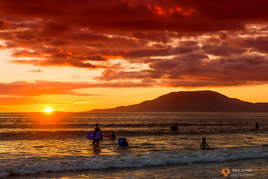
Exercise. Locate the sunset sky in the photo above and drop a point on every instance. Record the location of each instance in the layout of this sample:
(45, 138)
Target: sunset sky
(78, 55)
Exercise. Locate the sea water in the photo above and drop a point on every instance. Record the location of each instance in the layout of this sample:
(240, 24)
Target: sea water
(55, 145)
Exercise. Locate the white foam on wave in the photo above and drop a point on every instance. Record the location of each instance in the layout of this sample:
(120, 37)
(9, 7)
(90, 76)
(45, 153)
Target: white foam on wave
(34, 165)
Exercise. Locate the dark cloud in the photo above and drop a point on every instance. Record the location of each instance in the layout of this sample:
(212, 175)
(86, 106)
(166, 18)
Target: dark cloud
(143, 15)
(187, 42)
(198, 70)
(223, 49)
(257, 44)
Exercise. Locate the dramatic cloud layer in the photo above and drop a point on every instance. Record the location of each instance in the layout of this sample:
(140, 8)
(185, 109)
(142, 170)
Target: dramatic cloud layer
(56, 88)
(26, 93)
(187, 43)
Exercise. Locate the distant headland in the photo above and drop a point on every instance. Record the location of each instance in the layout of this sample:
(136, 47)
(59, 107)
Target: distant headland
(191, 101)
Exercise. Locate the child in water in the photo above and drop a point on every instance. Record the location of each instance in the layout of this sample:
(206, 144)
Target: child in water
(113, 136)
(174, 127)
(204, 144)
(122, 142)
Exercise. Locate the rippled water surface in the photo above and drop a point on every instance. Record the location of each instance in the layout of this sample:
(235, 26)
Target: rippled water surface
(35, 142)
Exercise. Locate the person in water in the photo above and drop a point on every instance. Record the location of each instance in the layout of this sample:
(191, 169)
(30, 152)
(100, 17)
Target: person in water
(113, 136)
(204, 145)
(257, 125)
(174, 127)
(96, 136)
(122, 142)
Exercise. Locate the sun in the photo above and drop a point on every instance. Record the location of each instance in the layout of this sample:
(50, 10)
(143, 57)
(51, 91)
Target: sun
(48, 110)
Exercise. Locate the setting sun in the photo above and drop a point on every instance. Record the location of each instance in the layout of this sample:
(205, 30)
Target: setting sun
(48, 110)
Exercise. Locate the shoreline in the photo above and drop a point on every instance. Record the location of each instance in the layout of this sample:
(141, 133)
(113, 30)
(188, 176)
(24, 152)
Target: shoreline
(239, 168)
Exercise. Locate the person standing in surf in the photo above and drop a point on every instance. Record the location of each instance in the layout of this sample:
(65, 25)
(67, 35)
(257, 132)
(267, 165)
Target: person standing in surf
(204, 145)
(174, 127)
(257, 126)
(113, 136)
(96, 136)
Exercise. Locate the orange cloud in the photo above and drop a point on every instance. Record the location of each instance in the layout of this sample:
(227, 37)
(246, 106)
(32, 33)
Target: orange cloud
(162, 11)
(186, 12)
(21, 88)
(24, 53)
(19, 100)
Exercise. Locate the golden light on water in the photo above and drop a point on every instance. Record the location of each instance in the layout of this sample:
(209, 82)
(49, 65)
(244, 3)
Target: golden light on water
(48, 110)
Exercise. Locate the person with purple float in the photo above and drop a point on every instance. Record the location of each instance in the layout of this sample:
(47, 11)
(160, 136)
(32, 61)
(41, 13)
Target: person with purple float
(96, 136)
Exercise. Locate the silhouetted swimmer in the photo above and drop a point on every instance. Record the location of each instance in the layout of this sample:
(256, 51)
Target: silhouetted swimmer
(97, 136)
(122, 142)
(113, 136)
(174, 127)
(257, 125)
(204, 145)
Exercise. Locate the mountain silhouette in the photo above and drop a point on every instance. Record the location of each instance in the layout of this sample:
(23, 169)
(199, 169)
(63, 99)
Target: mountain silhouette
(191, 101)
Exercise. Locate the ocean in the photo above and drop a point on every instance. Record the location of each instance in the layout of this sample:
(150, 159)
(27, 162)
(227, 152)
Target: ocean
(40, 145)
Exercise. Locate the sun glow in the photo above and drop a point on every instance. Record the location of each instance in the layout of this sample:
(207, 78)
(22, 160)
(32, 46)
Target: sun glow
(48, 110)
